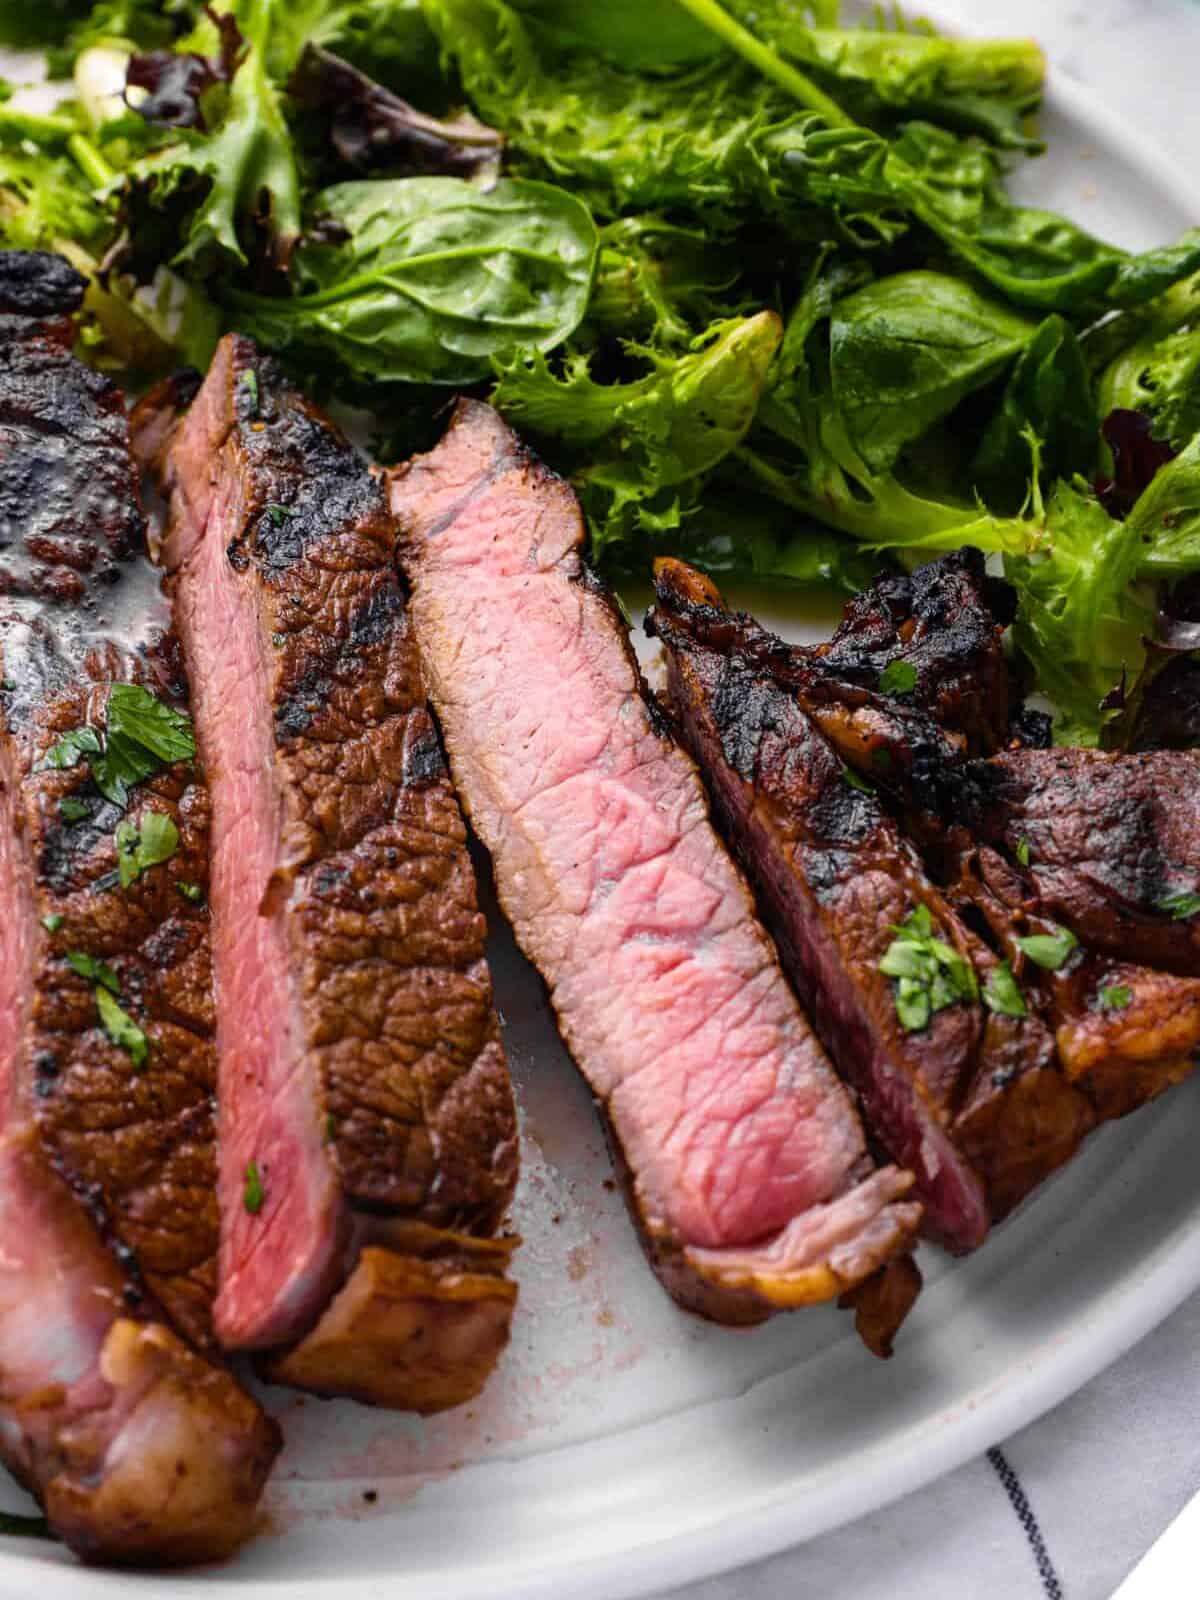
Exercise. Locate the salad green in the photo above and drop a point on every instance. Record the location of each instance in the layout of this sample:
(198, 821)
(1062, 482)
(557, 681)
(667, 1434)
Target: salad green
(751, 276)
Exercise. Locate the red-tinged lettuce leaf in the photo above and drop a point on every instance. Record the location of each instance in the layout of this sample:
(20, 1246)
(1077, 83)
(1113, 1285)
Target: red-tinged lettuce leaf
(1161, 709)
(370, 129)
(1137, 459)
(174, 83)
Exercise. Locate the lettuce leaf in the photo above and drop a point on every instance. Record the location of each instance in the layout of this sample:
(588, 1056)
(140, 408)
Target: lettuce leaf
(242, 165)
(638, 452)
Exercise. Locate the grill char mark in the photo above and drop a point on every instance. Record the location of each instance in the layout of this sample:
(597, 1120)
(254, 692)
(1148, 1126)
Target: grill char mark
(141, 1449)
(371, 1087)
(835, 876)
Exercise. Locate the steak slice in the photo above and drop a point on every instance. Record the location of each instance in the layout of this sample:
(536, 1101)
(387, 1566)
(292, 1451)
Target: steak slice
(141, 1449)
(1113, 843)
(1124, 1032)
(368, 1134)
(972, 1103)
(744, 1157)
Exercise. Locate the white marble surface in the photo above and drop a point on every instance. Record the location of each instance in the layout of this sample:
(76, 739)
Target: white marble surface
(1142, 57)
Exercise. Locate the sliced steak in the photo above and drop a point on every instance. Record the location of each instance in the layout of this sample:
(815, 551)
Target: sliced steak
(1124, 1032)
(140, 1448)
(745, 1159)
(1113, 843)
(973, 1103)
(368, 1134)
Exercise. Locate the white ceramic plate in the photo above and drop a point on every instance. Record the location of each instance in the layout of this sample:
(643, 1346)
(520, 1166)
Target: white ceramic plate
(624, 1447)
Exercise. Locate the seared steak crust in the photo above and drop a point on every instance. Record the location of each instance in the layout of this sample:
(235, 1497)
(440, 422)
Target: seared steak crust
(106, 1171)
(360, 1058)
(835, 877)
(743, 1156)
(1113, 843)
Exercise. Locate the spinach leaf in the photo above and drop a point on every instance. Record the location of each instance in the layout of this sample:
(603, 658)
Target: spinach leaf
(640, 449)
(1050, 393)
(905, 350)
(433, 279)
(801, 454)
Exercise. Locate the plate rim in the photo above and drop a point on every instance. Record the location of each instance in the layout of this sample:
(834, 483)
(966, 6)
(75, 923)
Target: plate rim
(767, 1526)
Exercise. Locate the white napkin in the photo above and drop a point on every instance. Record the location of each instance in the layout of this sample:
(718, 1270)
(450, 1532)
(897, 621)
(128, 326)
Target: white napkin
(1064, 1511)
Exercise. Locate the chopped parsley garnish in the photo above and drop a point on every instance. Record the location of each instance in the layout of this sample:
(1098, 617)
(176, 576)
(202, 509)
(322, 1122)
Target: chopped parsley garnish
(73, 746)
(1024, 854)
(191, 891)
(53, 922)
(855, 781)
(248, 382)
(72, 810)
(1049, 950)
(1115, 997)
(141, 736)
(145, 844)
(1002, 994)
(97, 972)
(930, 974)
(898, 677)
(1180, 906)
(117, 1023)
(330, 1128)
(279, 640)
(122, 1029)
(279, 514)
(253, 1194)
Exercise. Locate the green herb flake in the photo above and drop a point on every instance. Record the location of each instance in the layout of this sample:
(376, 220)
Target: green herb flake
(1115, 997)
(1002, 994)
(122, 1029)
(191, 891)
(248, 383)
(1049, 950)
(253, 1194)
(898, 677)
(146, 844)
(930, 974)
(278, 640)
(72, 747)
(1023, 852)
(53, 922)
(1180, 907)
(855, 781)
(279, 513)
(72, 810)
(330, 1128)
(97, 972)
